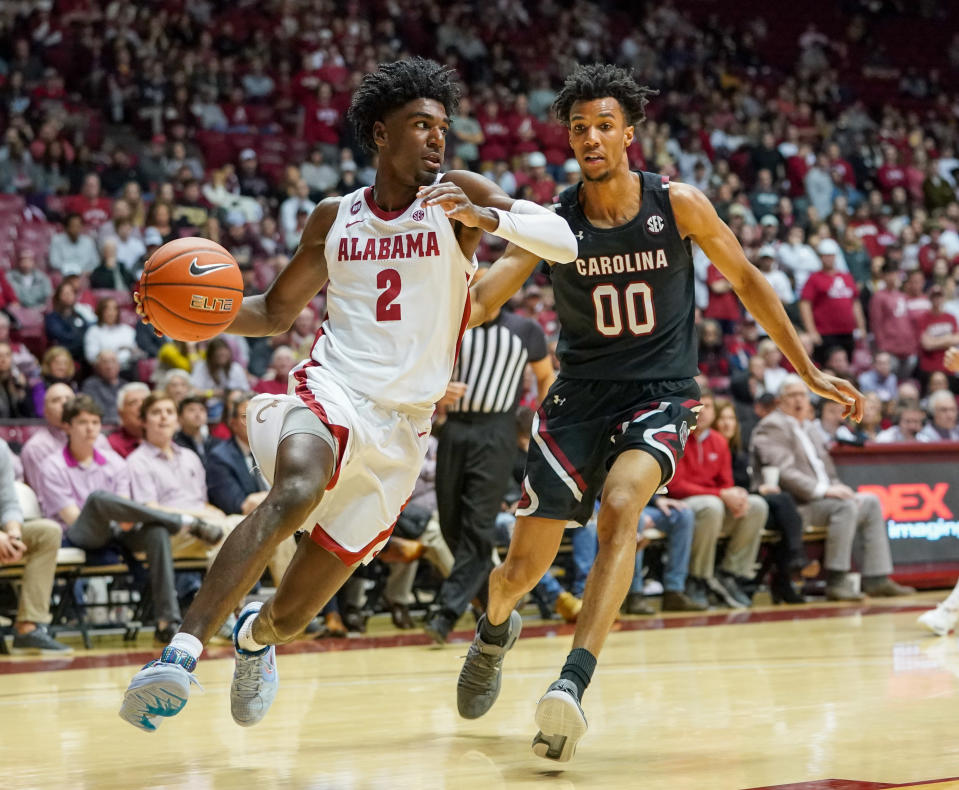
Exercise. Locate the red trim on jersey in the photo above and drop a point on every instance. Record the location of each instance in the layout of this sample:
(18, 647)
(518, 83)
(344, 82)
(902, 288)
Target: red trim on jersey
(322, 538)
(559, 455)
(368, 196)
(340, 432)
(662, 436)
(463, 323)
(347, 557)
(691, 404)
(665, 180)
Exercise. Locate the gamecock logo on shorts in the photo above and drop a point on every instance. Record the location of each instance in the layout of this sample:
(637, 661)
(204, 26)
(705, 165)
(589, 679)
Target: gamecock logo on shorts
(418, 215)
(683, 434)
(655, 223)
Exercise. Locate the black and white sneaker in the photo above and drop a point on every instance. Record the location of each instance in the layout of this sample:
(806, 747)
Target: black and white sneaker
(478, 684)
(561, 722)
(39, 641)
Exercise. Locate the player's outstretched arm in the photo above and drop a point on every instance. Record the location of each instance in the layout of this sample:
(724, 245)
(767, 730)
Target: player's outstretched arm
(477, 202)
(504, 278)
(273, 312)
(697, 219)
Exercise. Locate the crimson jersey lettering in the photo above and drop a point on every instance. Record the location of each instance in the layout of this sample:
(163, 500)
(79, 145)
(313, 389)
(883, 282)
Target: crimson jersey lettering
(402, 246)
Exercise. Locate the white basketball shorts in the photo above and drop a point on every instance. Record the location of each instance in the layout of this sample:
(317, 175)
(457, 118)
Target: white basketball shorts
(381, 452)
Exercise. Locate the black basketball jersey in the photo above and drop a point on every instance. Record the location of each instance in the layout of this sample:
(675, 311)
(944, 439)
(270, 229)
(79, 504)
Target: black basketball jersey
(626, 305)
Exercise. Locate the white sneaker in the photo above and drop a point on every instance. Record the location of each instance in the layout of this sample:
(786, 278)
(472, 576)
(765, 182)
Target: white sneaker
(255, 678)
(939, 620)
(159, 690)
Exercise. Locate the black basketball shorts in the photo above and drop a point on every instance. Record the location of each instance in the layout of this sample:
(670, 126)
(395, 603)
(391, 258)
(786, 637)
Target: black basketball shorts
(583, 426)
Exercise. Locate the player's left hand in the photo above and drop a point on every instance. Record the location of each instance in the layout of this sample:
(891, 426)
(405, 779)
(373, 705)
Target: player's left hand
(457, 205)
(838, 390)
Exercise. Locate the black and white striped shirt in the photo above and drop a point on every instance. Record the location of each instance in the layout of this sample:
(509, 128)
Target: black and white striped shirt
(492, 359)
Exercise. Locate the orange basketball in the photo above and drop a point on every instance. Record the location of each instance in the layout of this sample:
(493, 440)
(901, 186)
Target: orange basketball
(191, 289)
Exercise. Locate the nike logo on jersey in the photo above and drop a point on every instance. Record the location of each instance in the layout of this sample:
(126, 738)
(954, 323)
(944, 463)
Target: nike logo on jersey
(354, 222)
(199, 271)
(421, 435)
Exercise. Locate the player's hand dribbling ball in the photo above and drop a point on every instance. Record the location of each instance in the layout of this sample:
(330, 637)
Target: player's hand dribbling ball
(190, 289)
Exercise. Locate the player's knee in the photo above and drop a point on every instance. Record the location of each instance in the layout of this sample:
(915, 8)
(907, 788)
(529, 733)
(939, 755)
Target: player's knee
(619, 515)
(294, 498)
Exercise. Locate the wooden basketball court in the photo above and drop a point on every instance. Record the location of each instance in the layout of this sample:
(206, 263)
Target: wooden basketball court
(816, 697)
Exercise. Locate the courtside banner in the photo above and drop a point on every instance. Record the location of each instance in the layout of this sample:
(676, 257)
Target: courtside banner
(918, 486)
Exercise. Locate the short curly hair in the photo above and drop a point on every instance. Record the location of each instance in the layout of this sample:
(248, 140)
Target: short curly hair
(599, 81)
(393, 85)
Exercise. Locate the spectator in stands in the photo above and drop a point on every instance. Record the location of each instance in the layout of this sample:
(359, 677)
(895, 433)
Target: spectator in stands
(798, 258)
(937, 331)
(110, 274)
(774, 372)
(108, 334)
(785, 440)
(218, 371)
(832, 428)
(943, 427)
(829, 306)
(704, 482)
(15, 398)
(766, 262)
(194, 433)
(321, 177)
(784, 518)
(253, 183)
(73, 251)
(49, 439)
(163, 474)
(467, 134)
(909, 421)
(23, 360)
(35, 543)
(191, 209)
(130, 248)
(276, 379)
(30, 285)
(128, 436)
(880, 377)
(56, 368)
(87, 489)
(104, 385)
(299, 202)
(176, 383)
(234, 483)
(64, 324)
(160, 219)
(673, 518)
(92, 207)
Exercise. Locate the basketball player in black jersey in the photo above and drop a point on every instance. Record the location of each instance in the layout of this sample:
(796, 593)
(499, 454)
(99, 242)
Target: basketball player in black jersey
(617, 418)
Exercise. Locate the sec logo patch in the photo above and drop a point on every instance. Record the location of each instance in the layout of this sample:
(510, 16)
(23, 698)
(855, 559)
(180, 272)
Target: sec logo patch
(655, 224)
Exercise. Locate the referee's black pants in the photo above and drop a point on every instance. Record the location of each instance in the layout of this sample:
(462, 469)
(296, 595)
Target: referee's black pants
(474, 463)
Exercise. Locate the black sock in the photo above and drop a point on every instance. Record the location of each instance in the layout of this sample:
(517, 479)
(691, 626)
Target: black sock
(494, 634)
(835, 577)
(579, 667)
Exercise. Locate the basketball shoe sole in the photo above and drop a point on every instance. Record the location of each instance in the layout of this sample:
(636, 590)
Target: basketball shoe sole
(255, 677)
(561, 722)
(159, 690)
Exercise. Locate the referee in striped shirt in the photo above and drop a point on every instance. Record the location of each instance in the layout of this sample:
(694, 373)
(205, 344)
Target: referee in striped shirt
(477, 450)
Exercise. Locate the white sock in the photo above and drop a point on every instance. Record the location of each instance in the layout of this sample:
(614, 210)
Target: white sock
(952, 602)
(244, 638)
(187, 520)
(187, 643)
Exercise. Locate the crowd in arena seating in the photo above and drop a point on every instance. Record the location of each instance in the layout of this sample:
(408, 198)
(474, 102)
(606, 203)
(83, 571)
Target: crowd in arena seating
(832, 158)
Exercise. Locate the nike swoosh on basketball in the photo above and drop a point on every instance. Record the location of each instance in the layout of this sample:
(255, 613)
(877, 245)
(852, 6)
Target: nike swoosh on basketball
(199, 271)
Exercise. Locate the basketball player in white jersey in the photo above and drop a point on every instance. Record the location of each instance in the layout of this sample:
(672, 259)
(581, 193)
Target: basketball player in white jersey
(343, 450)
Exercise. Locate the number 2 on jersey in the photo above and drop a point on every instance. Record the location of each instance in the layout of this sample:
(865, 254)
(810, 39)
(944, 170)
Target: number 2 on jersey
(386, 310)
(609, 309)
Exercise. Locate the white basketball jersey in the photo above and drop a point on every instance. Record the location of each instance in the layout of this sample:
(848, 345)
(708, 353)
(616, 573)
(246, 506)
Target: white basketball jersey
(397, 302)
